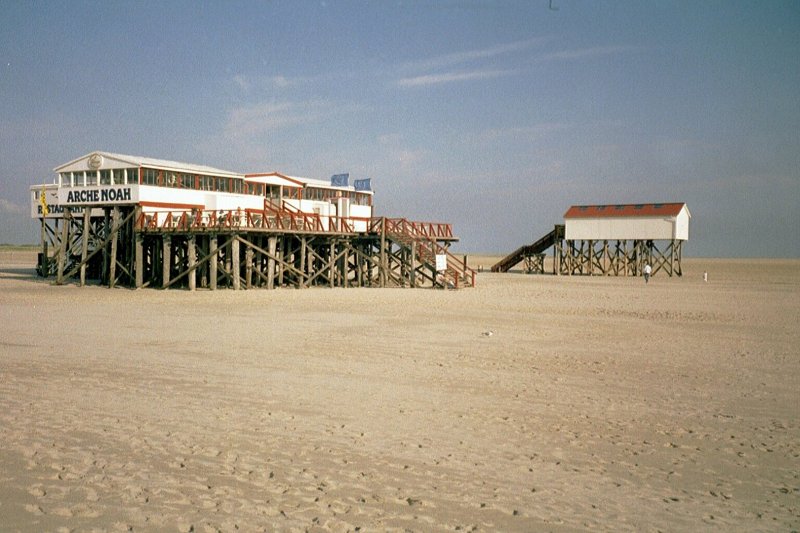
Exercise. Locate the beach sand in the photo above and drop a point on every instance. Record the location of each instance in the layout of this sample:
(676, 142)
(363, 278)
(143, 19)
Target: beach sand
(530, 403)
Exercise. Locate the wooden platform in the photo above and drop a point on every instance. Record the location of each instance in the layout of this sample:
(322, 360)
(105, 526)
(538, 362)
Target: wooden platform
(252, 249)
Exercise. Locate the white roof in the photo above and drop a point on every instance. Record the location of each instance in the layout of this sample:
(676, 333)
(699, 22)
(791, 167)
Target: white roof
(111, 160)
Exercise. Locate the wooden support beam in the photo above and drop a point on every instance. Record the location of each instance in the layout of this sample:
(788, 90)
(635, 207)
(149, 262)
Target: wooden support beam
(112, 265)
(139, 258)
(384, 270)
(166, 258)
(235, 263)
(62, 251)
(87, 224)
(412, 275)
(213, 262)
(248, 268)
(303, 252)
(272, 244)
(191, 253)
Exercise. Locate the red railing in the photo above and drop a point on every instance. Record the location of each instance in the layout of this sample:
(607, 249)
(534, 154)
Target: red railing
(267, 218)
(425, 235)
(432, 230)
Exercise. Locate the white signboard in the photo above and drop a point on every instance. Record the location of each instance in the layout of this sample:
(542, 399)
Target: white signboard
(104, 194)
(441, 262)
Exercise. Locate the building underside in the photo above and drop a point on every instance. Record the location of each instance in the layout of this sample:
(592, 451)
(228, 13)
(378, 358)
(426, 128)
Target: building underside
(260, 249)
(596, 257)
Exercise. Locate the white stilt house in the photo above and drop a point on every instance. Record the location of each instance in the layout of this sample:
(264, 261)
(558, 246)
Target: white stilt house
(620, 239)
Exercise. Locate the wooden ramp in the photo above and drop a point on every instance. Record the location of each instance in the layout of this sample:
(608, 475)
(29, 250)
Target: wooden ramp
(538, 247)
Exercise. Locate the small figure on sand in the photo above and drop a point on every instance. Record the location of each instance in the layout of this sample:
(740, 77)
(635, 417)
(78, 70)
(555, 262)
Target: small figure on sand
(647, 271)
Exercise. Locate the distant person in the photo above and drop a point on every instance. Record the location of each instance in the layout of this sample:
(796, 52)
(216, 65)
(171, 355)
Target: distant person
(647, 271)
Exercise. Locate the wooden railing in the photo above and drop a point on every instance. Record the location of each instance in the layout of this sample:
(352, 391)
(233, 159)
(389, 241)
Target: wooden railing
(424, 237)
(432, 230)
(268, 218)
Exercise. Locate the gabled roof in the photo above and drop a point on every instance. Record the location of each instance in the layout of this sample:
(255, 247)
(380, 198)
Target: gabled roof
(275, 178)
(121, 160)
(624, 210)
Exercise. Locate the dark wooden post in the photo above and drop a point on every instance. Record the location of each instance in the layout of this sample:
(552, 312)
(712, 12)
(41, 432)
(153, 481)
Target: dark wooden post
(139, 253)
(112, 266)
(248, 269)
(87, 213)
(166, 258)
(62, 251)
(272, 246)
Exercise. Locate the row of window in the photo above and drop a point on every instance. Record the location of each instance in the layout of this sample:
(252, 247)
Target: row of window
(179, 180)
(117, 176)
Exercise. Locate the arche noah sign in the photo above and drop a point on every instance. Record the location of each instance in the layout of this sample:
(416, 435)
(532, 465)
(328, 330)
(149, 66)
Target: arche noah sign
(126, 194)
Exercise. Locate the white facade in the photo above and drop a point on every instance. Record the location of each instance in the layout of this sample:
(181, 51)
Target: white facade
(160, 187)
(629, 222)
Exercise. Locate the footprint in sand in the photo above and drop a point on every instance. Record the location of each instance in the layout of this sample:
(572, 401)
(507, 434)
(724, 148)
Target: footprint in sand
(34, 509)
(37, 491)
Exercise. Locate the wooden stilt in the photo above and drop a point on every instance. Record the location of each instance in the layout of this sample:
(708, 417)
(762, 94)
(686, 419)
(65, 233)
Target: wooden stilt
(139, 268)
(85, 243)
(303, 252)
(235, 264)
(191, 254)
(62, 251)
(166, 258)
(272, 246)
(213, 262)
(112, 265)
(248, 267)
(384, 272)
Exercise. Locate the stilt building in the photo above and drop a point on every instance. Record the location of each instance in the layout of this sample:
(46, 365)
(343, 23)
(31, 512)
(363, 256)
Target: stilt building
(607, 240)
(144, 222)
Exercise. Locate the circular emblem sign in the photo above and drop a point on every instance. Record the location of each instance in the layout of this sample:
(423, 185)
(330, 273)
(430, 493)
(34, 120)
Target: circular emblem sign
(95, 161)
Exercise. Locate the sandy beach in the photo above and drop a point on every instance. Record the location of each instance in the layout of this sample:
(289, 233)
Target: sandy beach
(530, 403)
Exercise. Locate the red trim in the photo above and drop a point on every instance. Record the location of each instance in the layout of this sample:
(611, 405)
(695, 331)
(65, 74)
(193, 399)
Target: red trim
(168, 205)
(624, 210)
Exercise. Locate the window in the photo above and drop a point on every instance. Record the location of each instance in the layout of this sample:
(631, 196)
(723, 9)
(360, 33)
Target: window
(66, 179)
(150, 176)
(133, 175)
(91, 178)
(105, 177)
(118, 176)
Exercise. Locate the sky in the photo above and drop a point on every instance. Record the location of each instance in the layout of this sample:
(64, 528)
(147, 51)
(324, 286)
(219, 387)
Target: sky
(494, 116)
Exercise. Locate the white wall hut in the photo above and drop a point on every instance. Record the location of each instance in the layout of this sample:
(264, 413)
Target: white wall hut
(669, 221)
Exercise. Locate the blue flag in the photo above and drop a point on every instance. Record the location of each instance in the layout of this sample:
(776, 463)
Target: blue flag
(363, 185)
(339, 180)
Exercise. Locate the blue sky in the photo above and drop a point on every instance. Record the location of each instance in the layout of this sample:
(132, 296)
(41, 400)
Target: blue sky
(494, 116)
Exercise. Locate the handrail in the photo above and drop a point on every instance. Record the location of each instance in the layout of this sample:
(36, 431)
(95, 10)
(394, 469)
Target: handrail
(425, 235)
(267, 218)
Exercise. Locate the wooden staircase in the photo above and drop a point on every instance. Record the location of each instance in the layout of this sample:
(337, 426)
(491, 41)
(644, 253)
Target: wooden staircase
(421, 243)
(505, 264)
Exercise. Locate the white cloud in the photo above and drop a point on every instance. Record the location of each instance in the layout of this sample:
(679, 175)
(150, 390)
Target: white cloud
(456, 58)
(449, 77)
